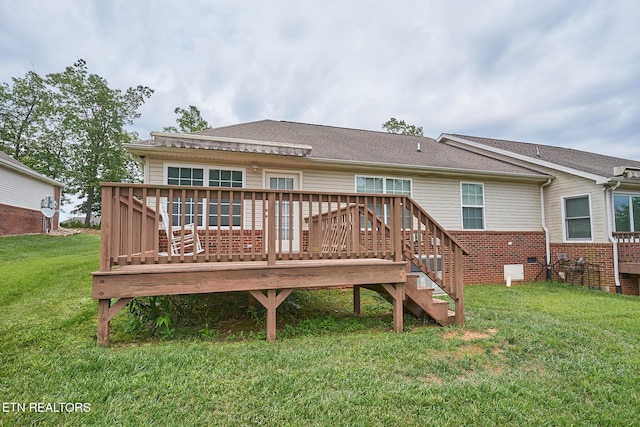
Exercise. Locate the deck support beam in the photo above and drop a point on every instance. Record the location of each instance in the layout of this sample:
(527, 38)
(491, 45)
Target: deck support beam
(106, 312)
(271, 301)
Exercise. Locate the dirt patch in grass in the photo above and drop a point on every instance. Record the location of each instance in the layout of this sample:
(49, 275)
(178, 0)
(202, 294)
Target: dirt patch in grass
(61, 231)
(432, 379)
(471, 335)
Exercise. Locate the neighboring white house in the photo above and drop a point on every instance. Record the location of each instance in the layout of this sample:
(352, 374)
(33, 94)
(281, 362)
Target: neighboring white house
(23, 195)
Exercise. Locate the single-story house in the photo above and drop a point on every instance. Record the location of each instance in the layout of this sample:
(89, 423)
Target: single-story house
(29, 201)
(517, 208)
(269, 207)
(590, 208)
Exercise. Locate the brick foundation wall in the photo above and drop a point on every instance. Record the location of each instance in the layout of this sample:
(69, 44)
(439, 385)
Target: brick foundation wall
(225, 241)
(602, 255)
(490, 251)
(14, 220)
(629, 284)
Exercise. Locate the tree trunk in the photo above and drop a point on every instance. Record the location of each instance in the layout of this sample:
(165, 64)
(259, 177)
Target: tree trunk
(87, 219)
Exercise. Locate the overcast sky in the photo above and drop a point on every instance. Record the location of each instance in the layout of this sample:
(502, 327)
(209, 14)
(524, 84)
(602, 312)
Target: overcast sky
(547, 71)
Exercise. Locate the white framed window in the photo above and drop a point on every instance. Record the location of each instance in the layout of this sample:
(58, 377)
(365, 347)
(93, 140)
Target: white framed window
(577, 217)
(227, 212)
(383, 185)
(472, 194)
(627, 212)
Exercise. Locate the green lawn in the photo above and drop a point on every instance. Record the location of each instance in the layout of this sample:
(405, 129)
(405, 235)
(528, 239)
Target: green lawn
(533, 354)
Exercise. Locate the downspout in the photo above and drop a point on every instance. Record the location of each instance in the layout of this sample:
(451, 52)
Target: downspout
(607, 201)
(544, 227)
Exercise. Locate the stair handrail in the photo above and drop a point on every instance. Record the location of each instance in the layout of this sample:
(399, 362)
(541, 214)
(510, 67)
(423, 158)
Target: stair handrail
(425, 239)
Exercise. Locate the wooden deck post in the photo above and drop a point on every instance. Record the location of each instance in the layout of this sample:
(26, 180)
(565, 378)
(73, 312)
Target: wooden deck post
(271, 230)
(271, 301)
(106, 228)
(459, 301)
(103, 321)
(271, 315)
(356, 300)
(396, 226)
(396, 291)
(105, 313)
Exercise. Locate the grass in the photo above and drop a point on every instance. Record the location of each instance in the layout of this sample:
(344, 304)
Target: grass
(533, 354)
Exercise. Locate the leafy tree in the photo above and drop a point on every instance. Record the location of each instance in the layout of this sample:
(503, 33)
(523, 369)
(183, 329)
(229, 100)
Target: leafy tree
(399, 126)
(25, 107)
(188, 121)
(91, 117)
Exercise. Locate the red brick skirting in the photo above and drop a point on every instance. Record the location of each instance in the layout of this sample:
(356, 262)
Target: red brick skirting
(600, 254)
(14, 220)
(490, 251)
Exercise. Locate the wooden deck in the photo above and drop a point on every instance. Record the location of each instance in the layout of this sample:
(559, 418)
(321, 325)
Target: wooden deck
(189, 240)
(628, 252)
(259, 279)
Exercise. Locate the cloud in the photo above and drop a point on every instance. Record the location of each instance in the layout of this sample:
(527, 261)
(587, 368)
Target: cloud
(550, 72)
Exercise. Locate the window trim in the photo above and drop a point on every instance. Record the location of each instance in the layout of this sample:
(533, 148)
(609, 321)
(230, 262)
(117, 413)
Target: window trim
(632, 218)
(565, 237)
(483, 206)
(384, 178)
(384, 183)
(206, 168)
(205, 172)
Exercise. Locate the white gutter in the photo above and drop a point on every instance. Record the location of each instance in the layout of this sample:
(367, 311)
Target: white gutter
(608, 206)
(544, 225)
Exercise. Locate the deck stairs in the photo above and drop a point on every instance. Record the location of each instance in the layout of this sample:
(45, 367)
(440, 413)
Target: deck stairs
(420, 302)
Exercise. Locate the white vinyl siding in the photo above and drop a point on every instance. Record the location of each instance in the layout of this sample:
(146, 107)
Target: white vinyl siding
(566, 185)
(22, 191)
(439, 196)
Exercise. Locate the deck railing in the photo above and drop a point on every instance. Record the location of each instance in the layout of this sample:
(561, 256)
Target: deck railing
(628, 246)
(239, 224)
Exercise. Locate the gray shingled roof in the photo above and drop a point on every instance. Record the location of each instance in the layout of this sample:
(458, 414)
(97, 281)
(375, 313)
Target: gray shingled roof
(363, 146)
(593, 163)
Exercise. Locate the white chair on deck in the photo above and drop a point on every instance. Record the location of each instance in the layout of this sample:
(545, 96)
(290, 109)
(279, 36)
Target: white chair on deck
(180, 238)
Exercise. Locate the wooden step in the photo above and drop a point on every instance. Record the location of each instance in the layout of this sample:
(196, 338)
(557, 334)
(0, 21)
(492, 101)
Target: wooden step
(420, 301)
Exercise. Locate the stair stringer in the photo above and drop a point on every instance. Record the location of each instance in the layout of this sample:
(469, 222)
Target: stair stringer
(420, 301)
